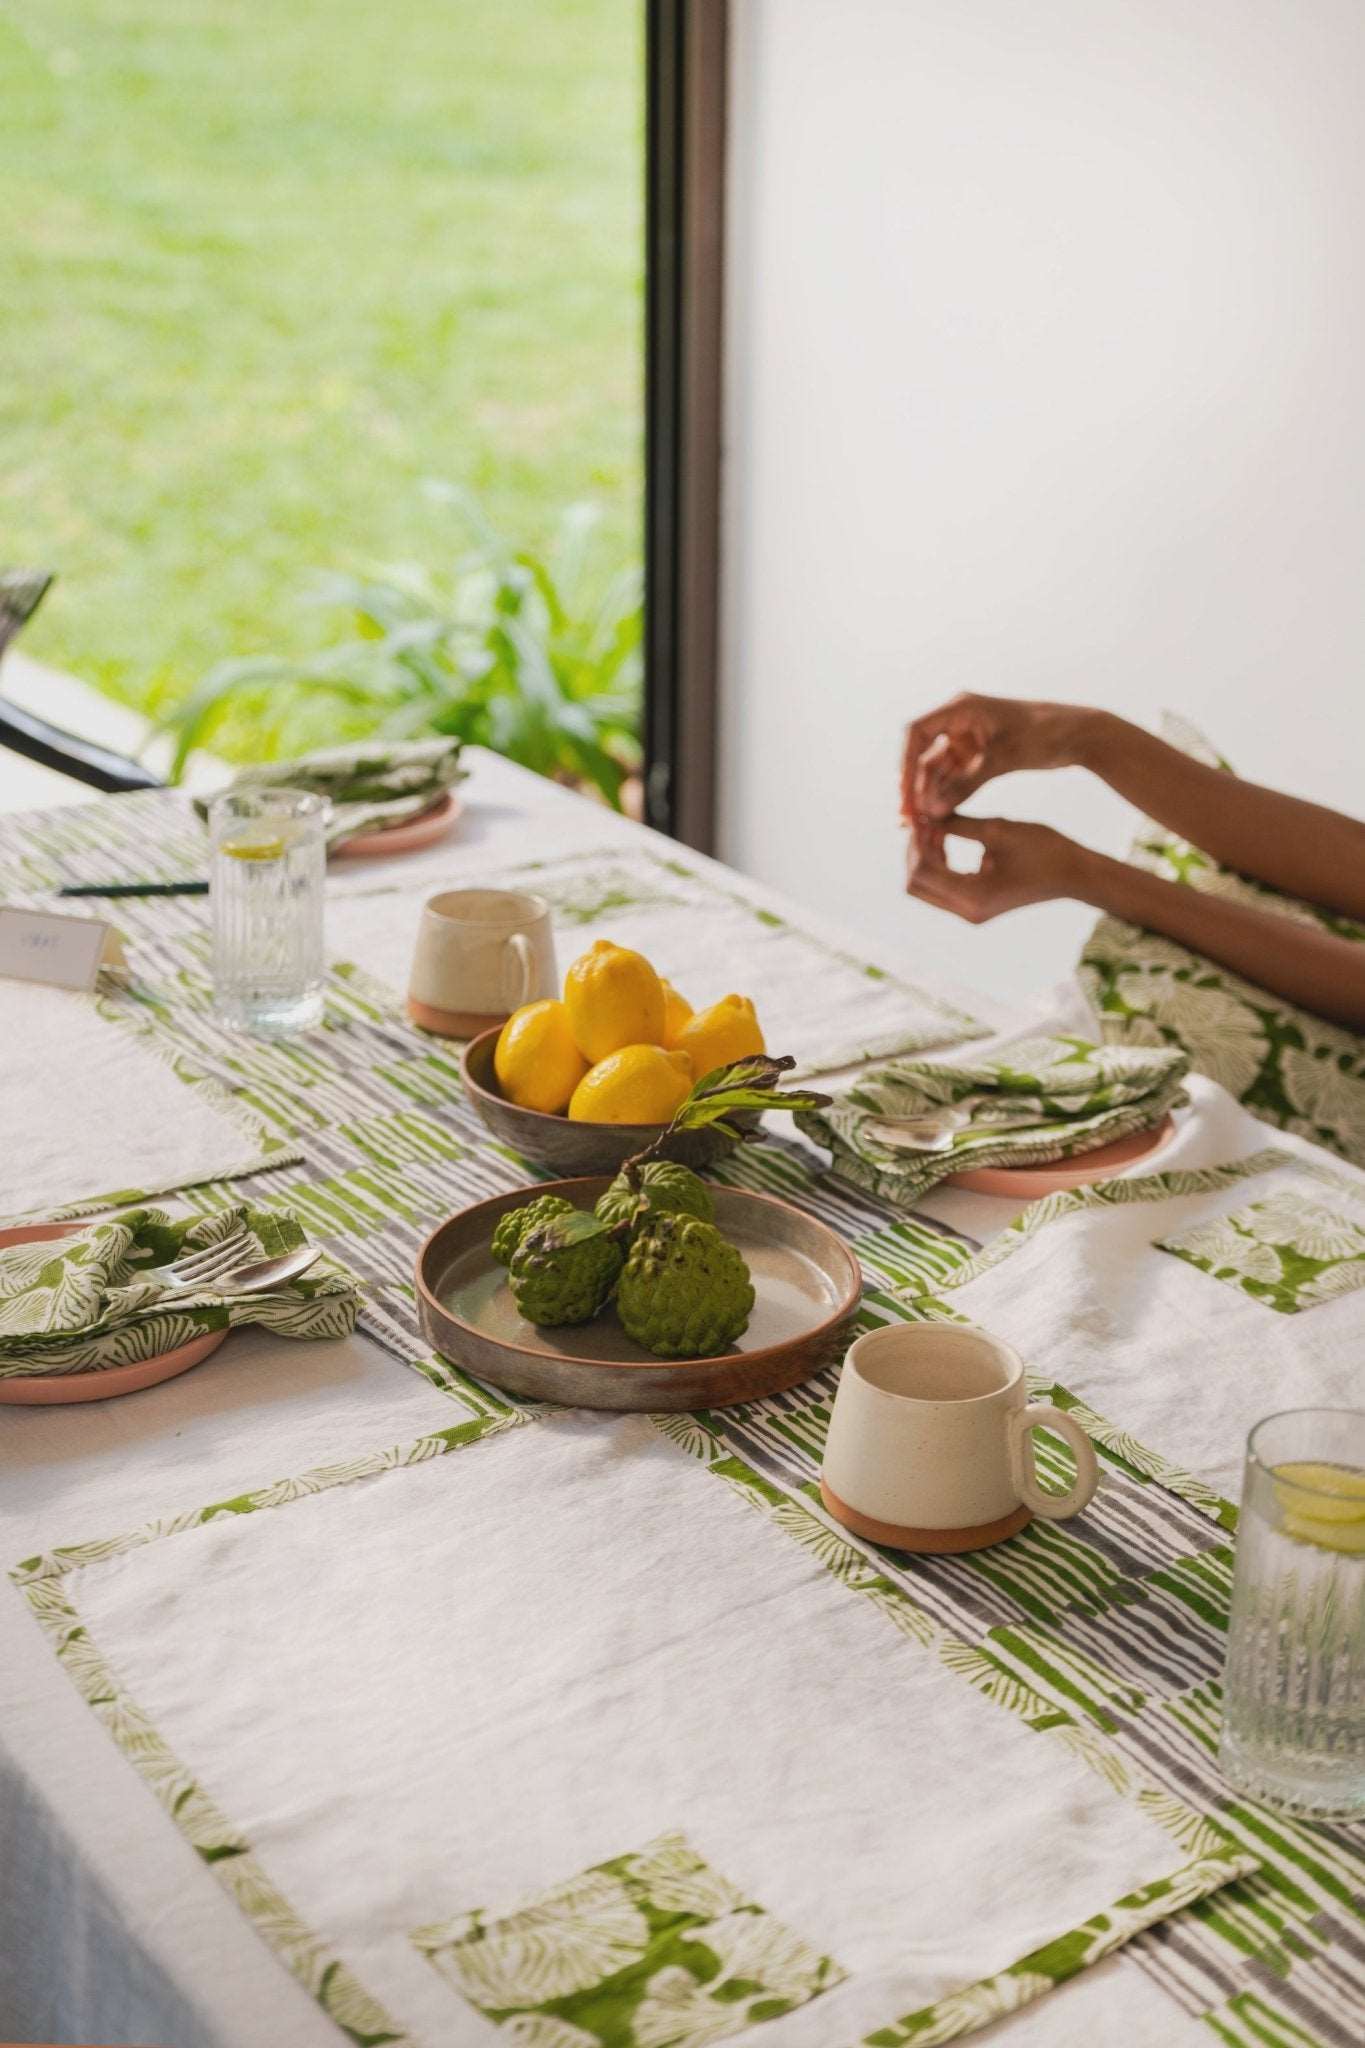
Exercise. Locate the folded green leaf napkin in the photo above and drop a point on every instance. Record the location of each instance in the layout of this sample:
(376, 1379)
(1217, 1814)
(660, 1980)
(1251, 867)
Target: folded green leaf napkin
(910, 1124)
(369, 786)
(83, 1303)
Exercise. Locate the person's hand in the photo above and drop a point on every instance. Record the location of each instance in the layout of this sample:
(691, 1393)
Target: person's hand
(949, 753)
(1020, 863)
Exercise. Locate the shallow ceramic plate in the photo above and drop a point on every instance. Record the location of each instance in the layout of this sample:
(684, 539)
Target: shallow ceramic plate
(425, 829)
(41, 1390)
(572, 1147)
(807, 1282)
(1026, 1183)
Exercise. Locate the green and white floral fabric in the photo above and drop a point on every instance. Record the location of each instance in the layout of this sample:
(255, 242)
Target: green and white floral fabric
(1288, 1067)
(98, 1298)
(903, 1128)
(1289, 1251)
(655, 1947)
(370, 786)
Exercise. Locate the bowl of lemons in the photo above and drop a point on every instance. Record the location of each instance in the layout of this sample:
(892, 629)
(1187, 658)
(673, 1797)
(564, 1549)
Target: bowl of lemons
(584, 1081)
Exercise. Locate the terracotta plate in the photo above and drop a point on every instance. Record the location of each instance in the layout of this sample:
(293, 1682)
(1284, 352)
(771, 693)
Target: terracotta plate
(425, 829)
(35, 1390)
(807, 1282)
(1026, 1183)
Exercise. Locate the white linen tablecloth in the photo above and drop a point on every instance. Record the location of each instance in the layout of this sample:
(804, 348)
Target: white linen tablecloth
(111, 1928)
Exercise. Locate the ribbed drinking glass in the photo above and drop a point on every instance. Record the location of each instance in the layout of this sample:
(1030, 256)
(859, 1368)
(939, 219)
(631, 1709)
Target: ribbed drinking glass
(1294, 1690)
(266, 889)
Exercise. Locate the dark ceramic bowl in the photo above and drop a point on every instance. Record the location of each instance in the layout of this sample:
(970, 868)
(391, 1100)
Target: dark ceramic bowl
(807, 1285)
(574, 1148)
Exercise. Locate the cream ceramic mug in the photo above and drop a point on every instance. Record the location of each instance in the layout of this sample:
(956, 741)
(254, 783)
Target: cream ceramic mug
(481, 953)
(929, 1444)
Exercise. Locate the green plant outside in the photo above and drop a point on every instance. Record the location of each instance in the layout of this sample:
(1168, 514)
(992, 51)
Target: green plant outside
(269, 268)
(502, 648)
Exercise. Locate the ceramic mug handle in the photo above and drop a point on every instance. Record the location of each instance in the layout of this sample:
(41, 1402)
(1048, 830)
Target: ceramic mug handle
(1053, 1507)
(519, 948)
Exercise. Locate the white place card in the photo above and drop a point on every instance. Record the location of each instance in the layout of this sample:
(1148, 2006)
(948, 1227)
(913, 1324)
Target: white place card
(67, 952)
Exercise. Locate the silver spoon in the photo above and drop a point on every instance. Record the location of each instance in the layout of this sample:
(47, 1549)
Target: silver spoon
(262, 1275)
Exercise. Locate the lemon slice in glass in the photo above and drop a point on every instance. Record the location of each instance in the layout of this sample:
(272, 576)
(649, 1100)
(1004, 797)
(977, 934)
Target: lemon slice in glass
(244, 847)
(1323, 1504)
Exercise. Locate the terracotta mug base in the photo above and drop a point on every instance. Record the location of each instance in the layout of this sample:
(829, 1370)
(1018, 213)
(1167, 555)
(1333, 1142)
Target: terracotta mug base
(931, 1542)
(452, 1023)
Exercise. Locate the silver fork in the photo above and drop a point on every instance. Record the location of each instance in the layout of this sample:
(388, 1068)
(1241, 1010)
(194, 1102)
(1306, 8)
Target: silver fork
(258, 1276)
(198, 1269)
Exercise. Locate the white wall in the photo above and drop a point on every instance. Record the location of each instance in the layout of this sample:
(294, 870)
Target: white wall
(1046, 376)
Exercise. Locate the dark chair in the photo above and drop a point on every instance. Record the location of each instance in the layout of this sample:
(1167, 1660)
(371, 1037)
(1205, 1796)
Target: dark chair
(23, 732)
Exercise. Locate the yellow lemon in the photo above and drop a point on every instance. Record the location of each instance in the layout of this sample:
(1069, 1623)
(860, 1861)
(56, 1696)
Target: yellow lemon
(1323, 1504)
(677, 1010)
(536, 1061)
(613, 998)
(728, 1031)
(244, 848)
(637, 1084)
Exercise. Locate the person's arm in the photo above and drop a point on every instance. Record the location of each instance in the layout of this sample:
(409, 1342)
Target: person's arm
(1299, 847)
(1023, 863)
(1302, 848)
(1312, 968)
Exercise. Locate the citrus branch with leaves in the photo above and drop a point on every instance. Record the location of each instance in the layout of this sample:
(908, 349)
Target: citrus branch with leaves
(714, 1103)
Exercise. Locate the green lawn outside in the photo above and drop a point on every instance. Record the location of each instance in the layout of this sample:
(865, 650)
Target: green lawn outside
(268, 266)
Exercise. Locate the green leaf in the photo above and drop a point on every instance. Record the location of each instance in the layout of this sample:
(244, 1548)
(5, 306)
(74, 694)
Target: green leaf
(573, 1228)
(748, 1084)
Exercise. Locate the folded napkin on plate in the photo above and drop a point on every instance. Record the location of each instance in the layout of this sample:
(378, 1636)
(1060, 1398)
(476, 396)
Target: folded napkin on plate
(910, 1124)
(96, 1299)
(370, 786)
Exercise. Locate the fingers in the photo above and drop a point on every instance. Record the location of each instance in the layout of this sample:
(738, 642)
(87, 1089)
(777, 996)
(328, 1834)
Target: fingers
(970, 897)
(1020, 863)
(923, 851)
(955, 774)
(937, 729)
(919, 735)
(929, 878)
(986, 831)
(946, 758)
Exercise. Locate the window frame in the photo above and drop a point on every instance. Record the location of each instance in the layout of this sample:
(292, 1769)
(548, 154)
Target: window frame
(685, 120)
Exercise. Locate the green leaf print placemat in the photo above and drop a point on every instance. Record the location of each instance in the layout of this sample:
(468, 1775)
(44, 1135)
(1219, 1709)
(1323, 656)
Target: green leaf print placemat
(750, 1687)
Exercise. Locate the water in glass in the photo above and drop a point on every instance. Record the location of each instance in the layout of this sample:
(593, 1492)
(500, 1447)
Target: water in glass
(1294, 1690)
(266, 888)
